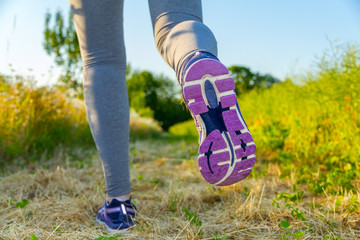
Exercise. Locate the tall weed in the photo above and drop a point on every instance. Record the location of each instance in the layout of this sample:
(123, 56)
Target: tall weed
(314, 127)
(36, 120)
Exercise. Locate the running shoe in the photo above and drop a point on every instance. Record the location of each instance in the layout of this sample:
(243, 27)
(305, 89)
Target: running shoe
(117, 216)
(226, 147)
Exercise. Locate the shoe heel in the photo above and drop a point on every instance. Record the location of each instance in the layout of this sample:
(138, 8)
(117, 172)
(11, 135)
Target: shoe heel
(227, 143)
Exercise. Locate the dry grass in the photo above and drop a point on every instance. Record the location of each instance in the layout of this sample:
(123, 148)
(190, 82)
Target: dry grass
(164, 182)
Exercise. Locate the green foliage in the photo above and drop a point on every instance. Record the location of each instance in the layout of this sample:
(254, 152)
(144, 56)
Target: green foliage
(328, 237)
(33, 237)
(172, 206)
(184, 129)
(294, 197)
(22, 203)
(217, 237)
(313, 128)
(295, 212)
(60, 41)
(194, 220)
(157, 97)
(108, 238)
(57, 229)
(289, 235)
(352, 206)
(284, 224)
(246, 80)
(192, 217)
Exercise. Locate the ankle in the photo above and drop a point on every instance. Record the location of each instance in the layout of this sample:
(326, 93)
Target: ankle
(122, 197)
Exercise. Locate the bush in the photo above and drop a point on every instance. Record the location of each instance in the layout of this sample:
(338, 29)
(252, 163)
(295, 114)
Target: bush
(156, 97)
(185, 129)
(143, 127)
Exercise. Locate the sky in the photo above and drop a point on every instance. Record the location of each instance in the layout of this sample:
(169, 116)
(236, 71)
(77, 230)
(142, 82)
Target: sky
(279, 37)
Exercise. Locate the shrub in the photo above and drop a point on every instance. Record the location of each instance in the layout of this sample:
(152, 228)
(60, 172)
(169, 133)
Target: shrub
(143, 127)
(156, 97)
(184, 129)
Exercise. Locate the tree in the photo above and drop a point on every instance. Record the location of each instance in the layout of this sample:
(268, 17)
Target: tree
(157, 97)
(246, 80)
(60, 41)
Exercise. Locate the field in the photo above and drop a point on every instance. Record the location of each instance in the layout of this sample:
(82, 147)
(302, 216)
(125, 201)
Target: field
(305, 184)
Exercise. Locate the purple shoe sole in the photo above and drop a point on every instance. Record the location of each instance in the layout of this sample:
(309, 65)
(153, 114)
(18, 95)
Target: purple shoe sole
(227, 150)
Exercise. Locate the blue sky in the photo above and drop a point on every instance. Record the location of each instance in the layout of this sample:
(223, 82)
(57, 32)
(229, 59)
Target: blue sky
(279, 37)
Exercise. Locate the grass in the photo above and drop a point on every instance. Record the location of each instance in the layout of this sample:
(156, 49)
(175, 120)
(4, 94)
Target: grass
(174, 201)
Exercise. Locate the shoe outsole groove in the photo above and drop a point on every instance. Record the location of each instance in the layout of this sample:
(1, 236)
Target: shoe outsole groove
(226, 154)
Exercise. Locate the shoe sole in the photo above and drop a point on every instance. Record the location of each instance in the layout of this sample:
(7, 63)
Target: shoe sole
(227, 151)
(110, 229)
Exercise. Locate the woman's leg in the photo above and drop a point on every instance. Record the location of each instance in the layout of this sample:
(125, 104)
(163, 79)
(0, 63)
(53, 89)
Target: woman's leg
(227, 150)
(179, 30)
(99, 26)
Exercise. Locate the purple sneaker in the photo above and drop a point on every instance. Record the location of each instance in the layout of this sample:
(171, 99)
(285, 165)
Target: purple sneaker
(117, 216)
(227, 150)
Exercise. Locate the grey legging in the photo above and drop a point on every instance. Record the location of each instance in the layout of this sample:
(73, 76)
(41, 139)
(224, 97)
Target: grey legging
(178, 32)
